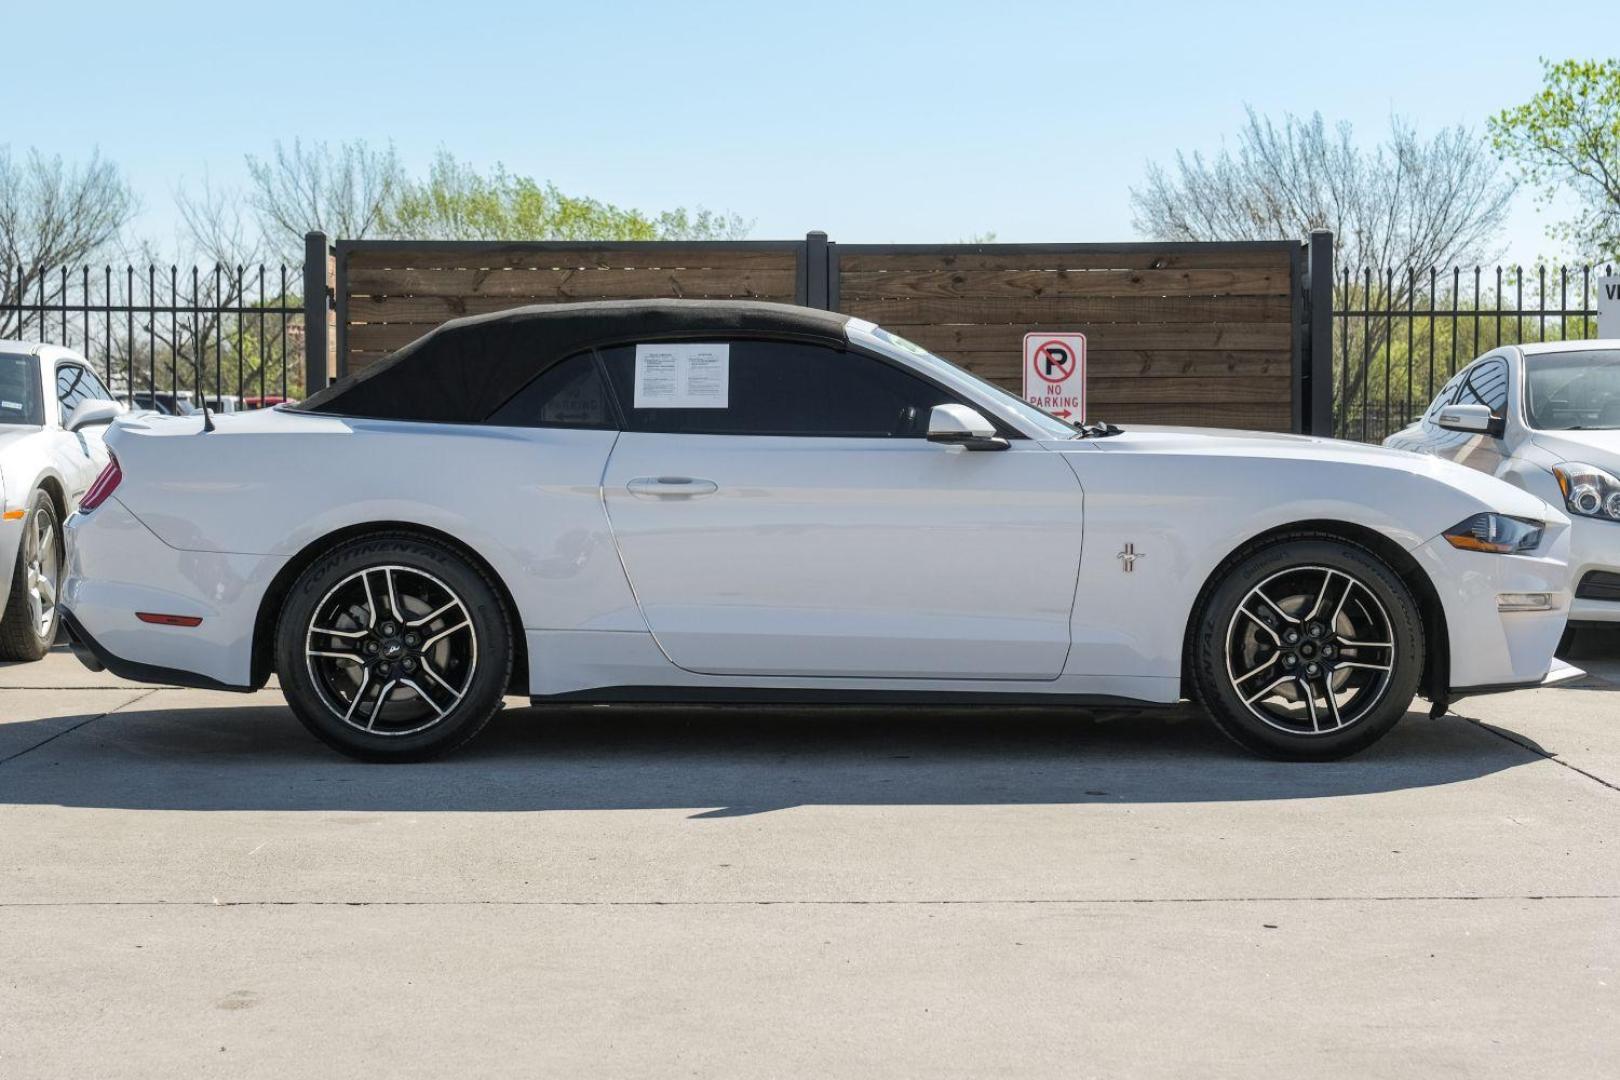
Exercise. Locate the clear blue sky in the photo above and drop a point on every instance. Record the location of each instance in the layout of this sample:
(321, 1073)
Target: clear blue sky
(873, 121)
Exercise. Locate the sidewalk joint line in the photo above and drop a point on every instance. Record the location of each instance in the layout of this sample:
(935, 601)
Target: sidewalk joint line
(1519, 741)
(80, 724)
(1074, 901)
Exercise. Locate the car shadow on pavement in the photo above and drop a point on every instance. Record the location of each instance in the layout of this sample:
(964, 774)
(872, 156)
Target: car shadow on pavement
(721, 761)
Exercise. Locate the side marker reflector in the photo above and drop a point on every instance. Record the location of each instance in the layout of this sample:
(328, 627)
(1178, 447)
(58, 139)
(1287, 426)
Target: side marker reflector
(14, 515)
(157, 619)
(1524, 601)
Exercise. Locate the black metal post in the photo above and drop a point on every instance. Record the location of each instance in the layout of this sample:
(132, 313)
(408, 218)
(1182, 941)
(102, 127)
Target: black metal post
(317, 302)
(1319, 334)
(816, 293)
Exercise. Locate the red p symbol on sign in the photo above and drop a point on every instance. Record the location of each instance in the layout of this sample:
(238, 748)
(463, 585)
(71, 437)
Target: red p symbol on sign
(1054, 361)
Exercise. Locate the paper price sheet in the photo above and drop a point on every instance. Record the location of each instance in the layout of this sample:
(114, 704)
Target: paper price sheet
(683, 375)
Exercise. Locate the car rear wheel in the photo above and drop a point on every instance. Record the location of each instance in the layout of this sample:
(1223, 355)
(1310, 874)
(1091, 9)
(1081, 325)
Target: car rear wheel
(31, 620)
(394, 648)
(1308, 649)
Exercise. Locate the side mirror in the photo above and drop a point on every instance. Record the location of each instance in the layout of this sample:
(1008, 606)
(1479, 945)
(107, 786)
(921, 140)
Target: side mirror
(958, 425)
(93, 411)
(1472, 419)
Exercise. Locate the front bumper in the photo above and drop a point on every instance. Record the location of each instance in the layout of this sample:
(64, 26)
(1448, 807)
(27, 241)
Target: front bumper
(117, 567)
(1594, 549)
(1490, 649)
(11, 537)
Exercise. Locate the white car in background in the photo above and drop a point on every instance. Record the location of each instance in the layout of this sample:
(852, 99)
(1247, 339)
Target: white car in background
(730, 501)
(53, 414)
(1545, 418)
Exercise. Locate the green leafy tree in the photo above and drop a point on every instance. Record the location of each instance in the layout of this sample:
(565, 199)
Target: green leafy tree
(1567, 138)
(457, 202)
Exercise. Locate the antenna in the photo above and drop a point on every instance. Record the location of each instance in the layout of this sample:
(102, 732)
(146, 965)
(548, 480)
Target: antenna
(197, 356)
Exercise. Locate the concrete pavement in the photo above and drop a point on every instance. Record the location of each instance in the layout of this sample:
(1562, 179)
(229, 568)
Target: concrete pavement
(189, 884)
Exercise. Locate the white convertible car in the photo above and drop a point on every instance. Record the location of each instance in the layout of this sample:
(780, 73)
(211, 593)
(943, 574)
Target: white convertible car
(53, 411)
(724, 501)
(1546, 418)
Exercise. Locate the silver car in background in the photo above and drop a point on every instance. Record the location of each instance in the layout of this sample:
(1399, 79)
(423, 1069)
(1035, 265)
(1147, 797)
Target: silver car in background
(54, 412)
(1544, 417)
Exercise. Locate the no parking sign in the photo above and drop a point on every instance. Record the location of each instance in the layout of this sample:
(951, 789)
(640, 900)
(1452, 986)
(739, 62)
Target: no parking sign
(1055, 374)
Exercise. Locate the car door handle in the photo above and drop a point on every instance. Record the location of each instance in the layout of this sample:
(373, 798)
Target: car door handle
(671, 487)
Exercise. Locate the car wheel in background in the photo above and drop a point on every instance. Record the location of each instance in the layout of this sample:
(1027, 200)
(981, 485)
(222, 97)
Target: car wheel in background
(1307, 649)
(31, 620)
(394, 648)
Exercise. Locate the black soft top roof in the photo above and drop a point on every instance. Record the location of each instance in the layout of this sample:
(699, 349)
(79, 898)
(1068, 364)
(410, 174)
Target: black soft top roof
(467, 368)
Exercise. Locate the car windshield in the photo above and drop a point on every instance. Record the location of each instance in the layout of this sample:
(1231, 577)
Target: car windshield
(19, 390)
(1049, 426)
(1573, 391)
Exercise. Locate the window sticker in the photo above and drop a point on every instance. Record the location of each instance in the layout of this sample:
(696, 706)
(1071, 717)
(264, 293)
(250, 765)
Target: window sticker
(683, 375)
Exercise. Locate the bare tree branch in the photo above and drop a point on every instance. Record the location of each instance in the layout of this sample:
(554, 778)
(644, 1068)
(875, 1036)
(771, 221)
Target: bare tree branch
(52, 215)
(1396, 209)
(344, 190)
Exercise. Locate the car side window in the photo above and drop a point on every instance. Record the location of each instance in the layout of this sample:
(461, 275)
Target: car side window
(1445, 396)
(792, 388)
(1486, 384)
(94, 388)
(72, 386)
(569, 394)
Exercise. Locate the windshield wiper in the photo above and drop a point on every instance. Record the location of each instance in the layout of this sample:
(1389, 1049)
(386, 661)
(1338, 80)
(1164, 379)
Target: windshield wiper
(1097, 429)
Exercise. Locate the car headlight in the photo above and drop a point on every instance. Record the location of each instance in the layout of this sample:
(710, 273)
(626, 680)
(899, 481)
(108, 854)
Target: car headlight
(1588, 490)
(1496, 533)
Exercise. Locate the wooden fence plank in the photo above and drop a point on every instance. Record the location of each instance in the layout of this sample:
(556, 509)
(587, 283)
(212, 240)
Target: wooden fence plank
(1254, 416)
(432, 310)
(1123, 386)
(863, 285)
(381, 337)
(1068, 310)
(1012, 260)
(1165, 362)
(949, 341)
(586, 256)
(1273, 367)
(1069, 313)
(560, 285)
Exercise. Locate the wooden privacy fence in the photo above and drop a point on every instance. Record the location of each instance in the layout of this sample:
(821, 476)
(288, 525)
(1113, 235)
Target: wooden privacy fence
(1210, 334)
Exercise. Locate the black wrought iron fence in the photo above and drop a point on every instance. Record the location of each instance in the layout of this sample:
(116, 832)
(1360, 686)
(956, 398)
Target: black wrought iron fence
(164, 334)
(1398, 335)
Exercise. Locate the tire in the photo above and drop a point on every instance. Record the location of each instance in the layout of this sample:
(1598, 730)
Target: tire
(32, 617)
(1306, 612)
(401, 614)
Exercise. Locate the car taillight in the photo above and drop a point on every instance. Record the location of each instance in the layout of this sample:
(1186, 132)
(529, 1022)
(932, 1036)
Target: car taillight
(104, 486)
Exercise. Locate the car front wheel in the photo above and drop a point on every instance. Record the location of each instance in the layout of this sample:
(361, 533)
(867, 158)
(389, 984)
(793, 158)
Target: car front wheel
(394, 648)
(1308, 649)
(29, 627)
